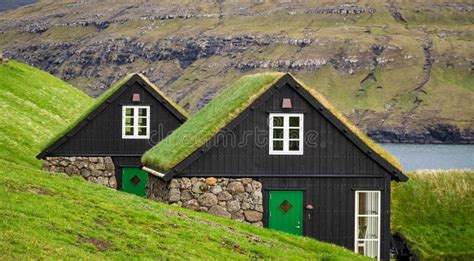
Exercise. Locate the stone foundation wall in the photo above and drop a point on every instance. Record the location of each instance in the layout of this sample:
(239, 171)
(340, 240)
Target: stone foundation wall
(99, 170)
(237, 199)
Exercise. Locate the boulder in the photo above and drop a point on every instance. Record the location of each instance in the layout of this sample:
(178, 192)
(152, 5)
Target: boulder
(253, 216)
(211, 181)
(174, 184)
(238, 216)
(185, 183)
(175, 195)
(233, 205)
(207, 199)
(216, 189)
(235, 187)
(186, 195)
(191, 204)
(224, 196)
(199, 187)
(219, 211)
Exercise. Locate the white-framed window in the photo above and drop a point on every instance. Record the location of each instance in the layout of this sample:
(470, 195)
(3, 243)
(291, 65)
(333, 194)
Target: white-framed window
(135, 122)
(286, 134)
(367, 223)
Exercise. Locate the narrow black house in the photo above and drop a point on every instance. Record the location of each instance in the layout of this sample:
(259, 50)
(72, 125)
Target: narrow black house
(105, 144)
(270, 151)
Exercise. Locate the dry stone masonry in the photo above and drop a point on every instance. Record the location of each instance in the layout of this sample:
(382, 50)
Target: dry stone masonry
(237, 199)
(99, 170)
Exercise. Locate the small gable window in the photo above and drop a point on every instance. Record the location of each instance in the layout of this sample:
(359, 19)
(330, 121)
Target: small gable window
(286, 134)
(136, 122)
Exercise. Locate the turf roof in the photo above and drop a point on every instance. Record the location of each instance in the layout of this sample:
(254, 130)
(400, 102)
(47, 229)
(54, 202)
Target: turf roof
(206, 123)
(102, 98)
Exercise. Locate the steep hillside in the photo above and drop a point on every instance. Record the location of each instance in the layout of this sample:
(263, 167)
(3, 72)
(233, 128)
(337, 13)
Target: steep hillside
(400, 70)
(34, 105)
(54, 216)
(433, 212)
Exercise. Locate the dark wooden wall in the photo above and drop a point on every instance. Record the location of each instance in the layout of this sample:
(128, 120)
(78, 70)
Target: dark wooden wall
(102, 136)
(332, 154)
(332, 219)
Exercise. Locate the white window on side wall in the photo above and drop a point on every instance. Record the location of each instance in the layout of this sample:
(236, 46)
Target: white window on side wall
(367, 223)
(286, 134)
(135, 122)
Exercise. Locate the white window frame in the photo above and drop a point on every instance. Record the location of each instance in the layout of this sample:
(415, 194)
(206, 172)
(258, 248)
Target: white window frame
(357, 215)
(286, 134)
(135, 126)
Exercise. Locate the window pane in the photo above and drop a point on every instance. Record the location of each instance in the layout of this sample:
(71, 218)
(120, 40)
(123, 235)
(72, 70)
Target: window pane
(367, 248)
(294, 121)
(142, 131)
(368, 228)
(294, 133)
(277, 121)
(129, 131)
(129, 111)
(278, 133)
(294, 145)
(277, 145)
(142, 122)
(368, 203)
(142, 112)
(128, 121)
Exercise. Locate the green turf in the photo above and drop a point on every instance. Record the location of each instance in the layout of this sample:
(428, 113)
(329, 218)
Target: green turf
(221, 111)
(101, 99)
(434, 212)
(34, 105)
(51, 216)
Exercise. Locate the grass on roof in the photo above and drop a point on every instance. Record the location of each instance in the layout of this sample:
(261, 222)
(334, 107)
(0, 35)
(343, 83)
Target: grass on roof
(197, 130)
(34, 104)
(221, 111)
(434, 212)
(52, 216)
(101, 99)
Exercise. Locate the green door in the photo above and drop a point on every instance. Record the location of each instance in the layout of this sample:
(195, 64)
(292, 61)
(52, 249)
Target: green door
(286, 211)
(134, 181)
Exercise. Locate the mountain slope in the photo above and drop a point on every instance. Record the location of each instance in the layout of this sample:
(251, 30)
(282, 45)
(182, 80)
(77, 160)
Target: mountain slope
(400, 71)
(34, 106)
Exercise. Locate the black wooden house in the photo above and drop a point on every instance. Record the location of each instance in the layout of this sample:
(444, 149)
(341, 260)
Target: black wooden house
(319, 176)
(106, 143)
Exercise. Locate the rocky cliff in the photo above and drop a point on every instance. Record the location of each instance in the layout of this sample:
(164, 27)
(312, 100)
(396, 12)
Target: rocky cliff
(401, 72)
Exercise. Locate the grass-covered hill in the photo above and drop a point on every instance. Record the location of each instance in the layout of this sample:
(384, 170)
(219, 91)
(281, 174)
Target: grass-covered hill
(47, 216)
(53, 216)
(434, 213)
(393, 67)
(34, 105)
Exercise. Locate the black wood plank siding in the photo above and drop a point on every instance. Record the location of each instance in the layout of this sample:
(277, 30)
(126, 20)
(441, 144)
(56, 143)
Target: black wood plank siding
(237, 154)
(332, 219)
(102, 135)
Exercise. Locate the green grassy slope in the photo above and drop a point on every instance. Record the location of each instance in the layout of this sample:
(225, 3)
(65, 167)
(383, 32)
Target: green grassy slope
(434, 212)
(34, 105)
(55, 216)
